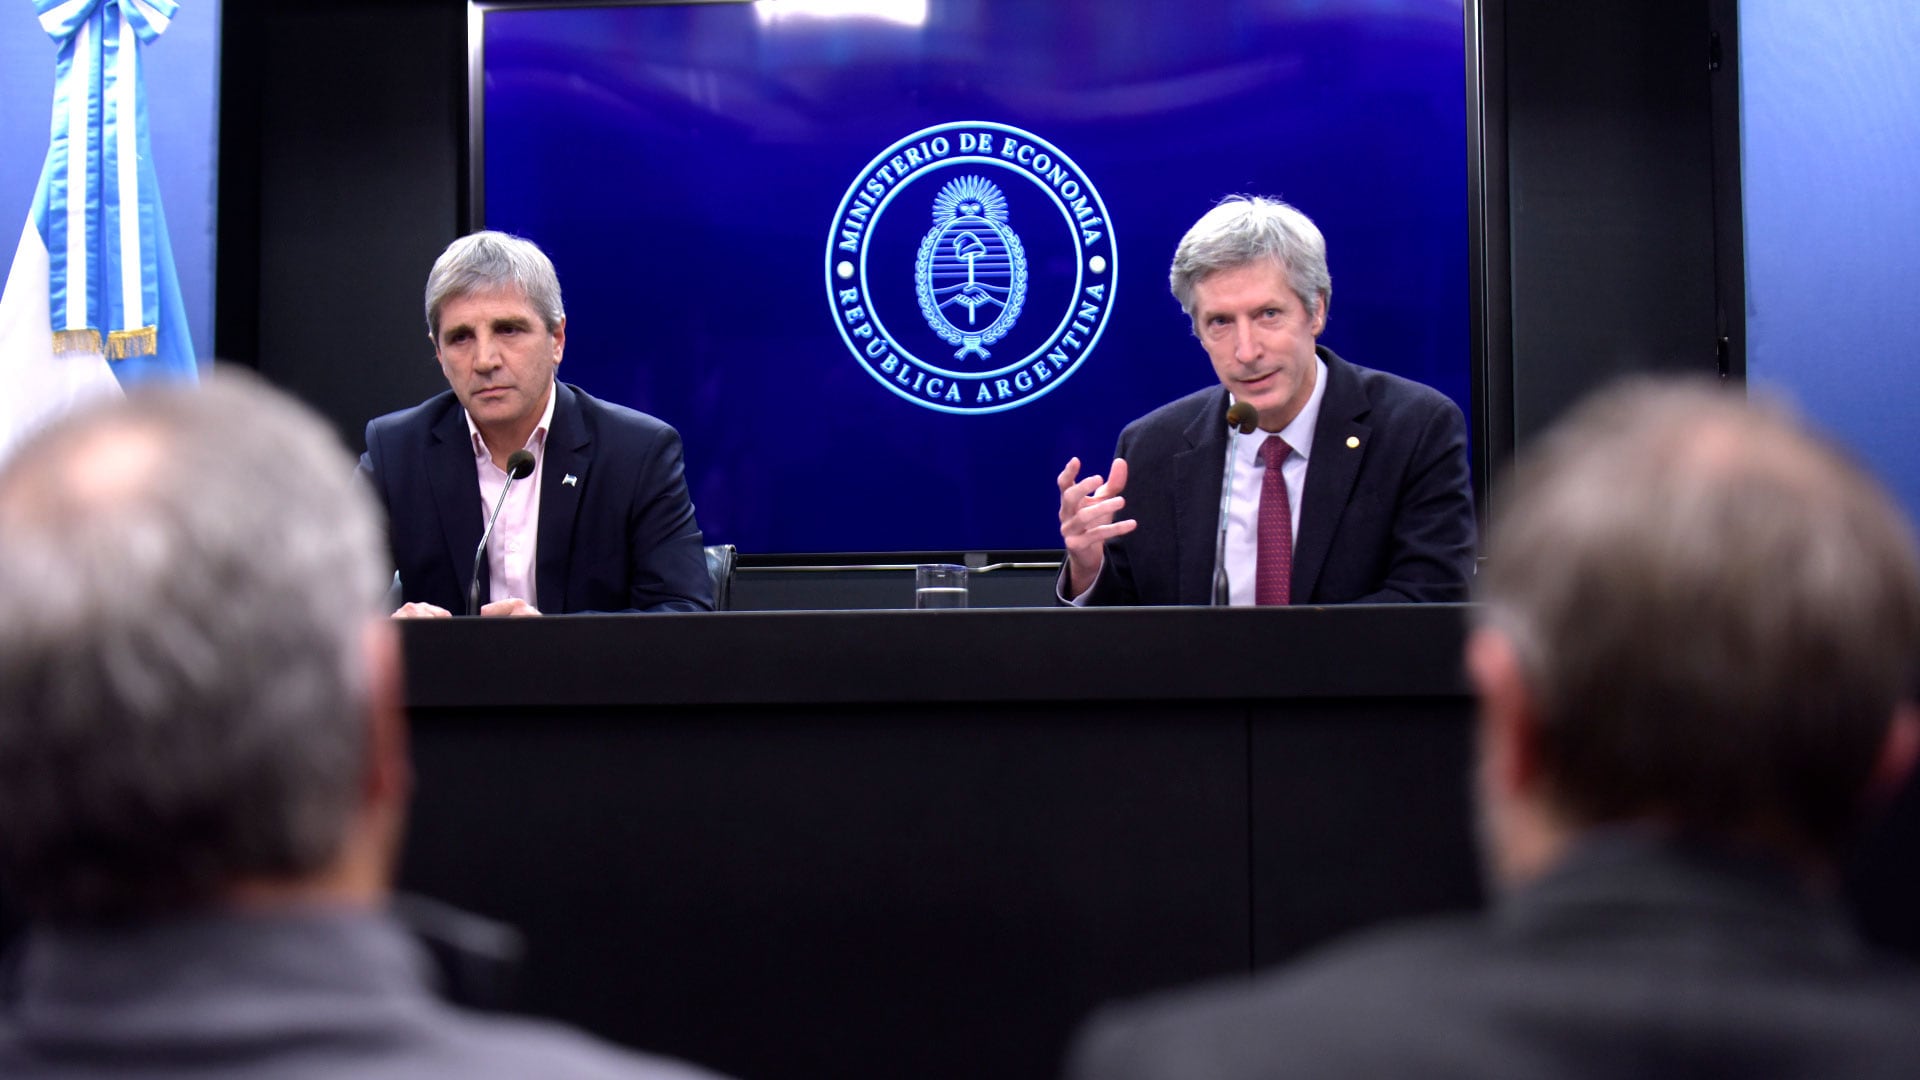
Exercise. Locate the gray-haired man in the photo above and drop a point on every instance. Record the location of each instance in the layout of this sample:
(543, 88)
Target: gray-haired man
(603, 520)
(203, 764)
(1350, 485)
(1695, 665)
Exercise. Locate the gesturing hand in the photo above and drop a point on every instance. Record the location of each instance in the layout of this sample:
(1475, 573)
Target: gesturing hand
(1086, 520)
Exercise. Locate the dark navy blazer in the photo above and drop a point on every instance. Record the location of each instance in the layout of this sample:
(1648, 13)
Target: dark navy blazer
(619, 537)
(1386, 516)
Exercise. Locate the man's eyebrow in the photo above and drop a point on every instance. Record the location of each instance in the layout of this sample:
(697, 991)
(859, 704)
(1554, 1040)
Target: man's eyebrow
(520, 321)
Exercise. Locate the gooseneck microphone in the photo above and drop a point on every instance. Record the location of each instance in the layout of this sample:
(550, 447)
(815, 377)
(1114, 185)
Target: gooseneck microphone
(1243, 418)
(519, 467)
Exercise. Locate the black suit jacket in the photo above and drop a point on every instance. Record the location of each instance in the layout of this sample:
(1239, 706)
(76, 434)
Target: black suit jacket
(1635, 958)
(1386, 515)
(620, 537)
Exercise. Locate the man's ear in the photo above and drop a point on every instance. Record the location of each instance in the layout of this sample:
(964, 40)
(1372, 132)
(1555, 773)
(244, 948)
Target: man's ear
(1509, 716)
(1898, 752)
(1320, 313)
(389, 775)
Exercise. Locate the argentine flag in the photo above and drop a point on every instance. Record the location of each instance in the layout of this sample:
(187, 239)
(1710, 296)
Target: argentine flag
(92, 301)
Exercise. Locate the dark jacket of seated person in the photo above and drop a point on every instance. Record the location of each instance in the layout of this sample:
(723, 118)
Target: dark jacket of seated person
(1386, 516)
(616, 524)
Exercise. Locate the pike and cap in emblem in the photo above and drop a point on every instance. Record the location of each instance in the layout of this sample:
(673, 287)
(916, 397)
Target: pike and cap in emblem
(971, 274)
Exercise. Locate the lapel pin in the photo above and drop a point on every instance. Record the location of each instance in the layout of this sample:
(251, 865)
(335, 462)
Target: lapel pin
(1353, 442)
(571, 480)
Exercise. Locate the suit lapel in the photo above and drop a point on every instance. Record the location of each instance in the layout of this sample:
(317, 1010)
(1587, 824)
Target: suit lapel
(1332, 469)
(1197, 475)
(563, 476)
(455, 481)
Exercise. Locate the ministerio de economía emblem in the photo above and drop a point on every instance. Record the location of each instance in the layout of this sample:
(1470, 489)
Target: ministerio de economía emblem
(971, 267)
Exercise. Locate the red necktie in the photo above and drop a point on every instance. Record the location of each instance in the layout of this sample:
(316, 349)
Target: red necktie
(1273, 570)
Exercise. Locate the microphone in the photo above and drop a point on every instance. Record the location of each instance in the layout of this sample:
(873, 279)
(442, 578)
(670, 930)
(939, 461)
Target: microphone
(519, 467)
(1243, 418)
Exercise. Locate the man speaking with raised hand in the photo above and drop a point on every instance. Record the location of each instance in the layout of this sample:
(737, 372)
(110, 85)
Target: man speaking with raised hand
(1348, 485)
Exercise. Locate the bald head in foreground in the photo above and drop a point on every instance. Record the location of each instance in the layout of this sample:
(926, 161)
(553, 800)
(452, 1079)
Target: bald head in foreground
(203, 763)
(1695, 661)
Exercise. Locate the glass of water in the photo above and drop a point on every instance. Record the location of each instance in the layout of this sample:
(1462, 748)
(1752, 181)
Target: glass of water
(940, 585)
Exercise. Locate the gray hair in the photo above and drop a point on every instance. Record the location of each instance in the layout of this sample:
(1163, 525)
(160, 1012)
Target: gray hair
(1716, 612)
(189, 578)
(486, 261)
(1249, 229)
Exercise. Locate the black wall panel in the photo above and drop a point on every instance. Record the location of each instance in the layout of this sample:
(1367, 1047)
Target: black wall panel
(1611, 181)
(341, 149)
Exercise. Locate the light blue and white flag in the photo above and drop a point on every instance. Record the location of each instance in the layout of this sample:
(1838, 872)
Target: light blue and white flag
(92, 302)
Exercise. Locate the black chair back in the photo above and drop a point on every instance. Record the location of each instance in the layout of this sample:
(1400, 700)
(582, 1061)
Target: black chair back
(720, 560)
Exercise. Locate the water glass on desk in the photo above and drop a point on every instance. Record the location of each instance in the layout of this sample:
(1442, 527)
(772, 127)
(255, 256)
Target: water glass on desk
(940, 585)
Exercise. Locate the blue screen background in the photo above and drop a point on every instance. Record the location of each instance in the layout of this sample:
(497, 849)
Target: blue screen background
(683, 166)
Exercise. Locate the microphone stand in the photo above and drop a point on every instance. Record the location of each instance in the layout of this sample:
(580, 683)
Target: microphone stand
(519, 464)
(1240, 417)
(1220, 545)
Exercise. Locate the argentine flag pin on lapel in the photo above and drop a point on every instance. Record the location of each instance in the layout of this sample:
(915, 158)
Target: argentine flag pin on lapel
(569, 480)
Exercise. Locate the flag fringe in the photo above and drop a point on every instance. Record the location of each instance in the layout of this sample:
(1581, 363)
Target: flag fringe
(69, 342)
(124, 343)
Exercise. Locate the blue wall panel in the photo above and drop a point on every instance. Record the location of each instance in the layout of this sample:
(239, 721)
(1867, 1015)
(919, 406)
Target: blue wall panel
(1831, 157)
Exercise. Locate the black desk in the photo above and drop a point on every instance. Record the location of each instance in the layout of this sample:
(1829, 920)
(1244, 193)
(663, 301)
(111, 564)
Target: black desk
(924, 844)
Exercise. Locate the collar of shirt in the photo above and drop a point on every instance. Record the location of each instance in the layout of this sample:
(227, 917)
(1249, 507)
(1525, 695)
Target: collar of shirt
(1243, 513)
(536, 442)
(1299, 433)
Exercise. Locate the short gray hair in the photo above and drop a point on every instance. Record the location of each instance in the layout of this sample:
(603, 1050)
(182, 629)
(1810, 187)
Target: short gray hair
(1716, 611)
(486, 261)
(189, 578)
(1247, 229)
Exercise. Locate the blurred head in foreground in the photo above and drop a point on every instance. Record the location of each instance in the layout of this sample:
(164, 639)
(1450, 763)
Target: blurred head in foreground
(1696, 615)
(199, 698)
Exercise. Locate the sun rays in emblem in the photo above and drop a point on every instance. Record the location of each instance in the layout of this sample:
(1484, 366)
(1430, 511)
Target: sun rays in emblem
(969, 197)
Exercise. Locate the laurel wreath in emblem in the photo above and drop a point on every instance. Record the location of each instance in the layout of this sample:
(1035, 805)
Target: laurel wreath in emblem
(971, 262)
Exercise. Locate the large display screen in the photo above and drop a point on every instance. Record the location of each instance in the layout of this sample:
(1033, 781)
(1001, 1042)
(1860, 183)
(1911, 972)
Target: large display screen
(888, 265)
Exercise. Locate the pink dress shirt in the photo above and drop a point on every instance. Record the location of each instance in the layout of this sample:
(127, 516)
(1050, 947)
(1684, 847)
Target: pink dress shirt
(512, 550)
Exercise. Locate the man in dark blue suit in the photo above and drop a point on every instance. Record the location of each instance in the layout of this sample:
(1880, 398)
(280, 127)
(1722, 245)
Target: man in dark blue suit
(1370, 497)
(602, 523)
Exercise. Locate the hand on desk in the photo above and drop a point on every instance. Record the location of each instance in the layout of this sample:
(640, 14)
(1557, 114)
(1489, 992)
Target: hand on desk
(512, 607)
